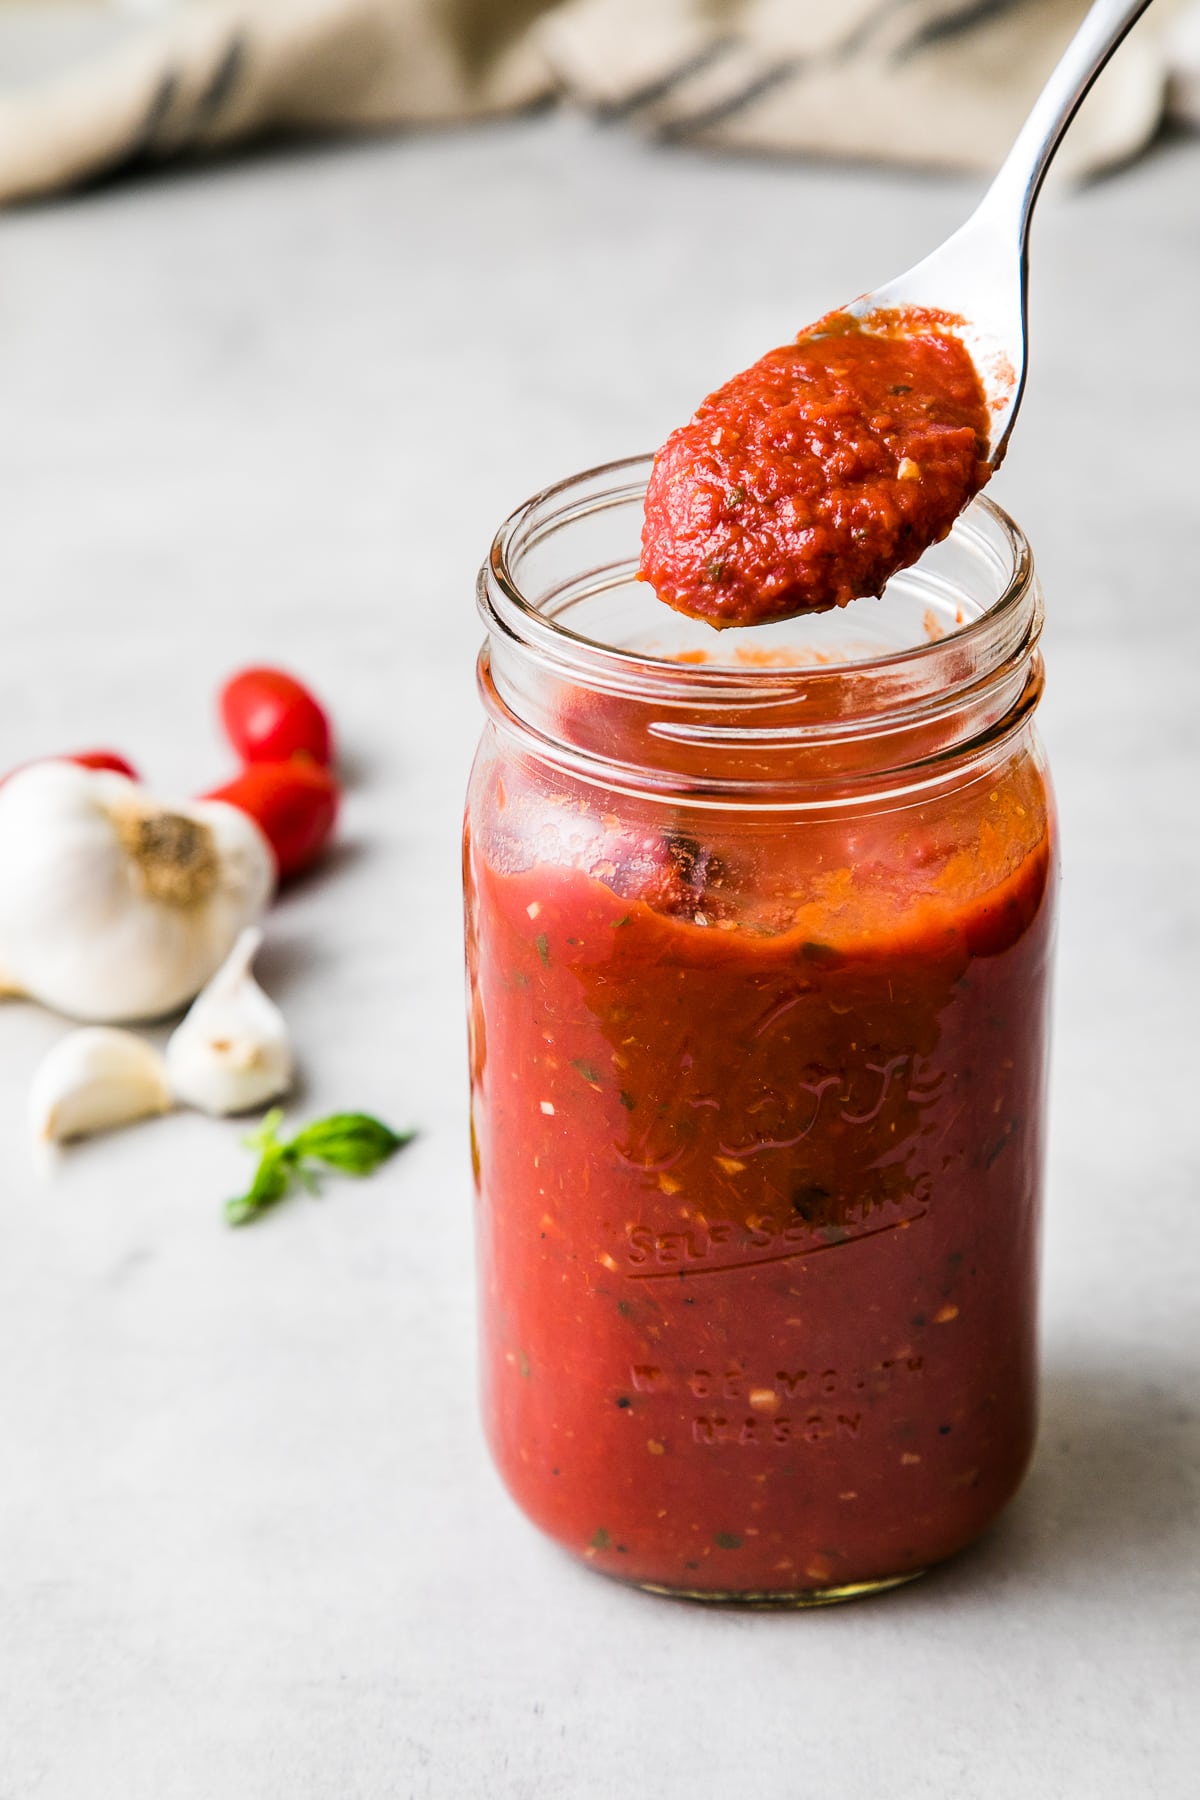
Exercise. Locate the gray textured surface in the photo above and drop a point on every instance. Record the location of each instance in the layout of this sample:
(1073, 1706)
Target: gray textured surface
(249, 1542)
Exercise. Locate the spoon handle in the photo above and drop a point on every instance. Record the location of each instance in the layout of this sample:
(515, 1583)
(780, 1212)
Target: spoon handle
(1019, 180)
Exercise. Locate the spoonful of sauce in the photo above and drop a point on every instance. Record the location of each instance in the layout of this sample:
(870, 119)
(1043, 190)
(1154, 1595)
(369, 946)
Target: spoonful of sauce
(812, 477)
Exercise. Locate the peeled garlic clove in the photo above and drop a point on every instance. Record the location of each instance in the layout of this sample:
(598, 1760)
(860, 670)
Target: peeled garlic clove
(94, 1079)
(114, 906)
(232, 1051)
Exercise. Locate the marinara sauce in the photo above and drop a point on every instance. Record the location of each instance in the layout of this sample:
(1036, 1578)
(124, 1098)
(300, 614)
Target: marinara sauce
(813, 476)
(758, 954)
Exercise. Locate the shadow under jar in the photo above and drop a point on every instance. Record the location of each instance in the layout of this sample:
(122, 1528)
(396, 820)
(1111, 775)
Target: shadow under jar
(759, 936)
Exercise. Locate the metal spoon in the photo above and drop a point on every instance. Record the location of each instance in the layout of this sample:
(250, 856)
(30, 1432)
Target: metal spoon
(980, 275)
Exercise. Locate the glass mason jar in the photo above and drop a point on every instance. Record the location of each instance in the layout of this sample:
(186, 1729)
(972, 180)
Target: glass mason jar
(759, 936)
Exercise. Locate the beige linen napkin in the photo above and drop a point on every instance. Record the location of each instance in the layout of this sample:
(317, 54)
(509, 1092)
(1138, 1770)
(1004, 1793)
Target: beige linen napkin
(931, 82)
(87, 89)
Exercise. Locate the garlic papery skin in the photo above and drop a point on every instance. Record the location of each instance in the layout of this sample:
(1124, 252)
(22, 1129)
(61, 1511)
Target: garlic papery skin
(114, 905)
(232, 1052)
(92, 1080)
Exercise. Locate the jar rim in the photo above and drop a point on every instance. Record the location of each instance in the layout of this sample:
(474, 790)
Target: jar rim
(985, 641)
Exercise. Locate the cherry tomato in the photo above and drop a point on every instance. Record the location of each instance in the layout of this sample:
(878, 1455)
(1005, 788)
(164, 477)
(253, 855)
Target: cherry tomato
(269, 716)
(294, 804)
(104, 759)
(87, 759)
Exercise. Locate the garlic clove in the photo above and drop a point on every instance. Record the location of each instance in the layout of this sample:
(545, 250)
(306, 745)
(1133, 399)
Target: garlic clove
(114, 906)
(232, 1051)
(94, 1079)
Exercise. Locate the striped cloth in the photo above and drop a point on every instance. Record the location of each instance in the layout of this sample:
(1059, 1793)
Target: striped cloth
(86, 90)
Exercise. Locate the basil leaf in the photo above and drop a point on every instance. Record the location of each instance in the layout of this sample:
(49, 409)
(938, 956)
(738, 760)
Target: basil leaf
(267, 1136)
(355, 1143)
(351, 1143)
(271, 1181)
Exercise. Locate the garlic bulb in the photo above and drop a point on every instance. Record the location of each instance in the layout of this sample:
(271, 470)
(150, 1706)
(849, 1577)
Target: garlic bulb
(94, 1079)
(112, 905)
(232, 1051)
